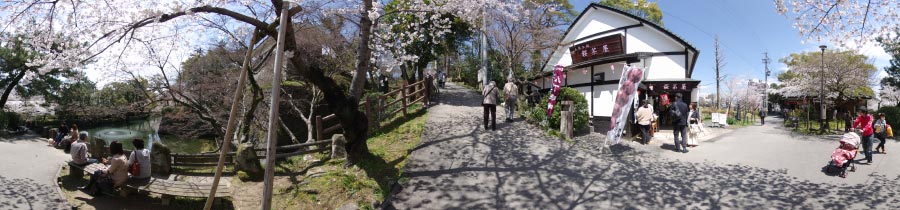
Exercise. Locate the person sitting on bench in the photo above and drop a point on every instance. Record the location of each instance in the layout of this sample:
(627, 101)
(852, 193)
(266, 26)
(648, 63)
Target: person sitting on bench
(114, 176)
(141, 157)
(79, 152)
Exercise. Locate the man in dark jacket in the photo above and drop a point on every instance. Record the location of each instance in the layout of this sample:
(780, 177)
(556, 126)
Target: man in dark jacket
(762, 117)
(679, 111)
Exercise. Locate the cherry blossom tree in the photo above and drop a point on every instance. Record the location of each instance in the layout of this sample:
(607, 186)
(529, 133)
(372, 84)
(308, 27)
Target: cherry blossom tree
(847, 75)
(116, 30)
(844, 22)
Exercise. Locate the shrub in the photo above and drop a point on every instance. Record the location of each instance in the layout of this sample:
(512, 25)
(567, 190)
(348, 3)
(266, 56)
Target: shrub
(566, 94)
(891, 114)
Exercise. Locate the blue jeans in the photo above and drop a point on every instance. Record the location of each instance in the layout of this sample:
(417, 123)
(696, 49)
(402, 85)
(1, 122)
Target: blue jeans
(682, 130)
(867, 147)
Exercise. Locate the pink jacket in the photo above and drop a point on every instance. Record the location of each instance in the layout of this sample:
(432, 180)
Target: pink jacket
(864, 123)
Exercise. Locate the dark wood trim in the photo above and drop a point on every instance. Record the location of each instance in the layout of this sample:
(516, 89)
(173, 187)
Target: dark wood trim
(687, 71)
(606, 32)
(607, 82)
(592, 90)
(565, 78)
(625, 40)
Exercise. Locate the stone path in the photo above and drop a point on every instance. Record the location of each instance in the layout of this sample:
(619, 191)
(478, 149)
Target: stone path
(458, 165)
(28, 174)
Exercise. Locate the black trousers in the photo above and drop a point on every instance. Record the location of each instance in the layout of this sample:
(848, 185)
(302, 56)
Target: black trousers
(645, 134)
(490, 110)
(881, 139)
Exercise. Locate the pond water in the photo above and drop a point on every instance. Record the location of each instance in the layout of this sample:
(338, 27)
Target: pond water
(146, 130)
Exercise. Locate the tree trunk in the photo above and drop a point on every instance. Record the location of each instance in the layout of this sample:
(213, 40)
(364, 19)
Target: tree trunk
(12, 85)
(345, 107)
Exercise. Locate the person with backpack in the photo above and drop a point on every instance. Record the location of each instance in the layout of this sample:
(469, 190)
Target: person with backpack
(864, 124)
(510, 96)
(881, 128)
(679, 114)
(489, 103)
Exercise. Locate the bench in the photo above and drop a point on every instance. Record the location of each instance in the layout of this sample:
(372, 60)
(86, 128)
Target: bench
(168, 189)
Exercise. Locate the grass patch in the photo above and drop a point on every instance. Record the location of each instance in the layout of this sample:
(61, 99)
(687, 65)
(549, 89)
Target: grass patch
(327, 184)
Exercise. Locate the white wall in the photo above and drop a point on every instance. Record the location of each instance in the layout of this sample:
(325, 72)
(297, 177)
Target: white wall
(603, 99)
(666, 67)
(648, 39)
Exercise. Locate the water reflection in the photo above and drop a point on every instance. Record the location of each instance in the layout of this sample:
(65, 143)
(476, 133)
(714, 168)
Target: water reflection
(148, 131)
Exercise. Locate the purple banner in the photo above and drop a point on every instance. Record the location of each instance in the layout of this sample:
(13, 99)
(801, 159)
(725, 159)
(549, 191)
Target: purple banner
(554, 91)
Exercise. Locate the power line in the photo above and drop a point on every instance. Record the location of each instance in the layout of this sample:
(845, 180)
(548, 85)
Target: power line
(745, 60)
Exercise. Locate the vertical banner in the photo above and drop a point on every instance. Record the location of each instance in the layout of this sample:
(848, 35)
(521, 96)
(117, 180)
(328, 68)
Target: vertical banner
(628, 85)
(554, 91)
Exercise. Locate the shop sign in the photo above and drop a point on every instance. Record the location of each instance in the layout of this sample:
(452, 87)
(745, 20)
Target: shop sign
(671, 86)
(597, 48)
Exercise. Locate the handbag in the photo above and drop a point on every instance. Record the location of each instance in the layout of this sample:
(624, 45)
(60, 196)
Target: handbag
(135, 168)
(890, 131)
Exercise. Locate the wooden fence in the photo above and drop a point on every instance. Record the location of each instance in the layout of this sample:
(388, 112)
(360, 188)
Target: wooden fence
(375, 108)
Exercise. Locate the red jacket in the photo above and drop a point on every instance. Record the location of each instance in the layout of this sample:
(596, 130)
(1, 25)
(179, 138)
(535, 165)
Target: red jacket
(864, 123)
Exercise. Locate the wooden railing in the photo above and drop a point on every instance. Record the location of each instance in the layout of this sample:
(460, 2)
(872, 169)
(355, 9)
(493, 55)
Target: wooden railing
(375, 110)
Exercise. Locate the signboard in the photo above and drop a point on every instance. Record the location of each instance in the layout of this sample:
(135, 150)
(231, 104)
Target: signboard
(672, 86)
(597, 48)
(554, 91)
(628, 85)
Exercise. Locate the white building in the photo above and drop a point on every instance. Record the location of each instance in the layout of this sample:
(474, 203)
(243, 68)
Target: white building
(598, 45)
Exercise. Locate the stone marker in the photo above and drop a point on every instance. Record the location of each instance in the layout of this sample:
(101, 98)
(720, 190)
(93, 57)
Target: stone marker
(337, 147)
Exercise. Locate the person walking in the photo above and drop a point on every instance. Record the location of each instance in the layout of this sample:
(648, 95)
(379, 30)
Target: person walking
(848, 121)
(489, 103)
(881, 133)
(679, 114)
(762, 117)
(864, 124)
(645, 117)
(693, 120)
(510, 96)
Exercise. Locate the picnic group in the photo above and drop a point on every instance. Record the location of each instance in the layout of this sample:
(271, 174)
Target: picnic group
(119, 169)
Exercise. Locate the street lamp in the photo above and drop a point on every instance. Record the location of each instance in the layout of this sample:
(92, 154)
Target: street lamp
(821, 91)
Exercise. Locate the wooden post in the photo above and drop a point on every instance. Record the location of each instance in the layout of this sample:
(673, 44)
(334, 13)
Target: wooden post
(369, 115)
(566, 119)
(404, 97)
(427, 87)
(319, 128)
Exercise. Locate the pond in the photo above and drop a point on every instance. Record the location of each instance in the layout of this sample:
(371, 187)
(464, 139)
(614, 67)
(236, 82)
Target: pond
(146, 129)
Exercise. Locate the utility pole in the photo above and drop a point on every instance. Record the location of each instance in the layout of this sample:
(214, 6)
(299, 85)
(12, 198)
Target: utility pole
(822, 118)
(766, 83)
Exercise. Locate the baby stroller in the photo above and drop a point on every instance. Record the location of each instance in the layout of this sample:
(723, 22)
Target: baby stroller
(842, 157)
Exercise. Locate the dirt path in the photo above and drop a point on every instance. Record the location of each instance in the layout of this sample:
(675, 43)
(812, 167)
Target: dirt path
(458, 165)
(28, 174)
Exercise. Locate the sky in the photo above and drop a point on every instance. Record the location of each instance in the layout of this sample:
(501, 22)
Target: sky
(746, 30)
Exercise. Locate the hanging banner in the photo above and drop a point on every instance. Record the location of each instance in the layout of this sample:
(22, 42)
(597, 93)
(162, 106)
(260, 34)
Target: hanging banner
(554, 91)
(628, 85)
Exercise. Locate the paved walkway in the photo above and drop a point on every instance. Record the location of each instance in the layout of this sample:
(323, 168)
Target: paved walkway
(28, 174)
(460, 166)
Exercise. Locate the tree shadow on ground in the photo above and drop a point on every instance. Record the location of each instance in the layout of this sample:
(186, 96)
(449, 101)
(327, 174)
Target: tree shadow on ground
(28, 194)
(460, 166)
